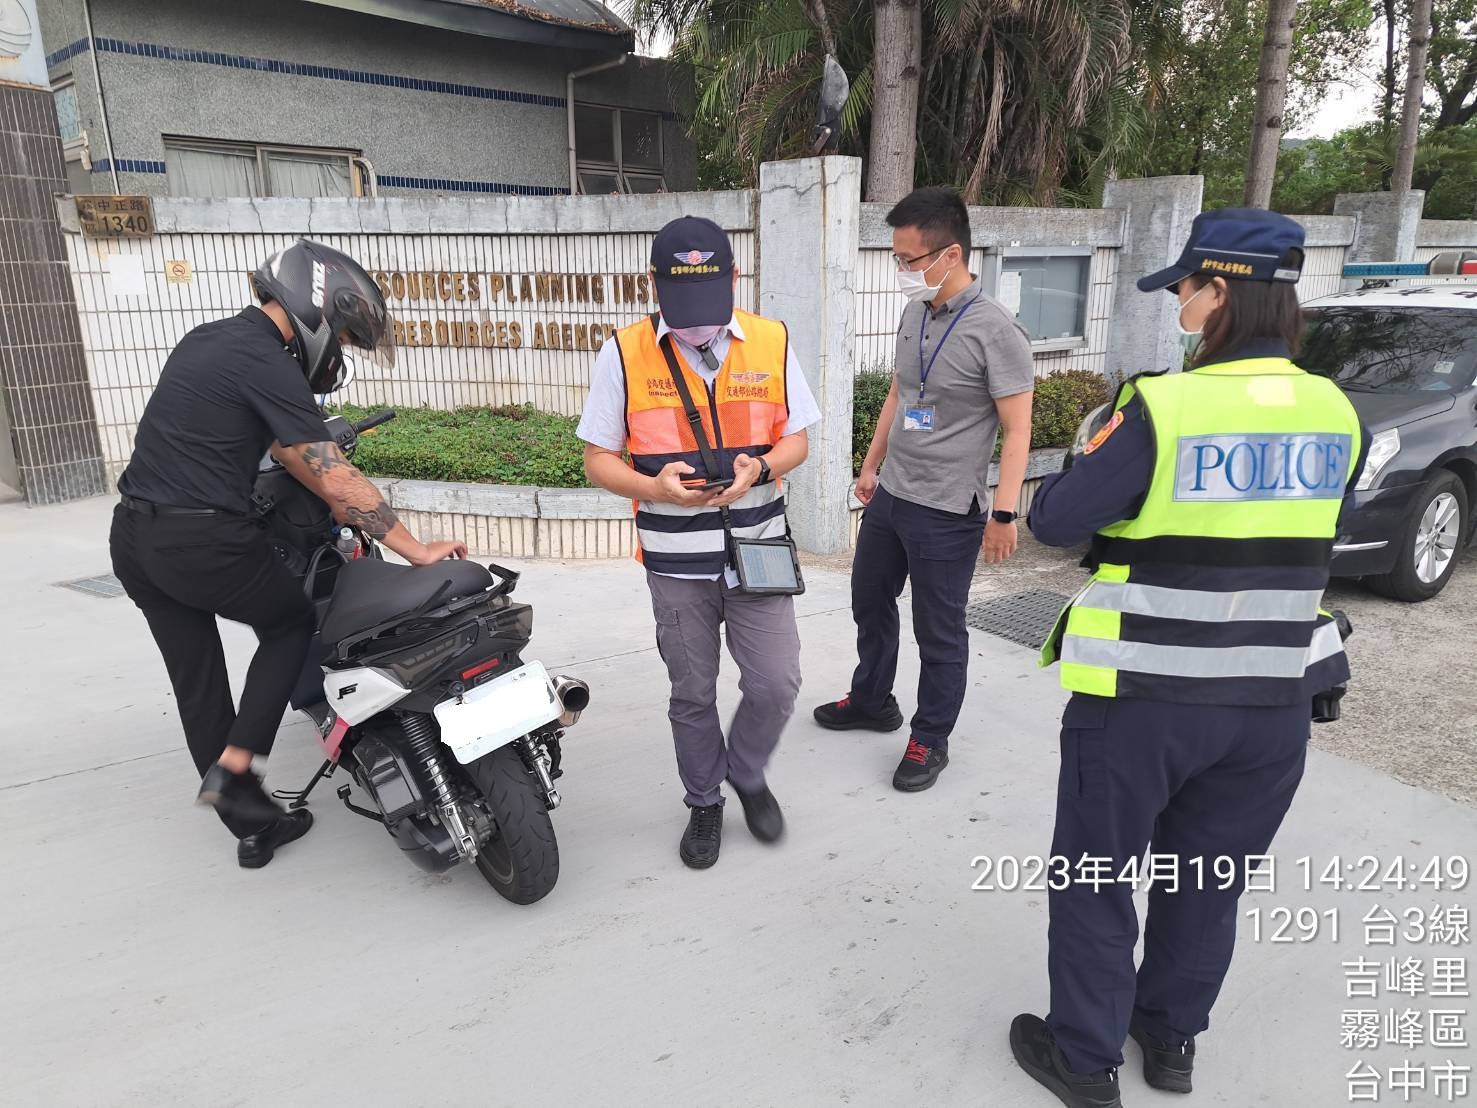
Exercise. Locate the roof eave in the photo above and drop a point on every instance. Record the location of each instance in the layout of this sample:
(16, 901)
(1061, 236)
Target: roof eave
(490, 23)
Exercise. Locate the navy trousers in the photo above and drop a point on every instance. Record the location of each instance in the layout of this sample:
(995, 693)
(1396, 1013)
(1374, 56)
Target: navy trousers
(938, 550)
(1194, 781)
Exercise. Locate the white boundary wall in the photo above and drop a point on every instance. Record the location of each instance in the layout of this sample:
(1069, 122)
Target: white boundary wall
(505, 300)
(515, 315)
(1435, 236)
(1329, 238)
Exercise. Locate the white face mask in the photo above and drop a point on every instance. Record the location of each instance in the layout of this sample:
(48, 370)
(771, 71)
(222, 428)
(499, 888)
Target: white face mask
(697, 337)
(913, 283)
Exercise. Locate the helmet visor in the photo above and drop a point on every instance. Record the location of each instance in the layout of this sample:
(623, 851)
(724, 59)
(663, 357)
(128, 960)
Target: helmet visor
(368, 327)
(380, 352)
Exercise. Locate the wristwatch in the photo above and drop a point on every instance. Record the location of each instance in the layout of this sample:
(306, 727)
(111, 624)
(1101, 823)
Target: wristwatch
(1004, 517)
(765, 476)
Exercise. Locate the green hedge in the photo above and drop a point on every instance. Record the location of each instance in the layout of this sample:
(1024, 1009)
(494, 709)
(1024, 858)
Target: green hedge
(520, 445)
(511, 445)
(1060, 402)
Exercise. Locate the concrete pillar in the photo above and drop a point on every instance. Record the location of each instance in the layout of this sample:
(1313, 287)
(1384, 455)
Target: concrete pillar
(1387, 225)
(809, 220)
(1158, 212)
(43, 373)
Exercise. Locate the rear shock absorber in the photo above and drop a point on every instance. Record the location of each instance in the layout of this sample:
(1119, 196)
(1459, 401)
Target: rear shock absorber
(420, 733)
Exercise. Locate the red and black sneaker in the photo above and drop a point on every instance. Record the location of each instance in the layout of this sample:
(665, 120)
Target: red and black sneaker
(920, 767)
(843, 715)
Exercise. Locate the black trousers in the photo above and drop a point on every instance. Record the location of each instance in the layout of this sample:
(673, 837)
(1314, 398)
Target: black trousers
(182, 572)
(1189, 780)
(938, 551)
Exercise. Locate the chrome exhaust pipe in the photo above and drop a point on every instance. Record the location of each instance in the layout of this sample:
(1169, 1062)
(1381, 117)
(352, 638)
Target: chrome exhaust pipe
(574, 695)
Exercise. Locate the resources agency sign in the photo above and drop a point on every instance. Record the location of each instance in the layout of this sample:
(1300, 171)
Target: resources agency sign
(513, 311)
(22, 57)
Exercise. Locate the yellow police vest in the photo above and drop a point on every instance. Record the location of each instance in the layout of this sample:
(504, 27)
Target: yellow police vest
(1212, 593)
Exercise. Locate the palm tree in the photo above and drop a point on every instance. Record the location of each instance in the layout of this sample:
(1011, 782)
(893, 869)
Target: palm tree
(1017, 100)
(1011, 86)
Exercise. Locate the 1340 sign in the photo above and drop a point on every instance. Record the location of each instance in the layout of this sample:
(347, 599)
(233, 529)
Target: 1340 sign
(116, 216)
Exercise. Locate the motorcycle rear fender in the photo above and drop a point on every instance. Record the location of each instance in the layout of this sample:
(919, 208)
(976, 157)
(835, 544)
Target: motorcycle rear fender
(361, 693)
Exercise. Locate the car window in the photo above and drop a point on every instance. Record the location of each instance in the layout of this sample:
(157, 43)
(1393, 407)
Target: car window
(1392, 350)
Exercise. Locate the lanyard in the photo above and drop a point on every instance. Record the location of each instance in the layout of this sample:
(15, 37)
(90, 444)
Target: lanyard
(925, 370)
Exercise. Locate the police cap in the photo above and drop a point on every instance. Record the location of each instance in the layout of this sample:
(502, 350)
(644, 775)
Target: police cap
(1244, 244)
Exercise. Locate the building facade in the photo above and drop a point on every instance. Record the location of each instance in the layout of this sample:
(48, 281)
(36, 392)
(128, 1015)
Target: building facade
(214, 98)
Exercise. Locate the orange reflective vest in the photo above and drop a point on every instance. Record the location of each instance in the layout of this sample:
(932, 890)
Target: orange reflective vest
(746, 412)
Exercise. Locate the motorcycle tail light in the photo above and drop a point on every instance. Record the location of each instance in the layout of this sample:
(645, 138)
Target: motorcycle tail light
(479, 670)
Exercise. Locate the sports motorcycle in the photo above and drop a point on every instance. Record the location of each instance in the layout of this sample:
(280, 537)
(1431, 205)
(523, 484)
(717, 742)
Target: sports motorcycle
(418, 686)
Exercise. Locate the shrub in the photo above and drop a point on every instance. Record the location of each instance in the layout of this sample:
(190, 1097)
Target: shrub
(509, 445)
(1062, 399)
(868, 394)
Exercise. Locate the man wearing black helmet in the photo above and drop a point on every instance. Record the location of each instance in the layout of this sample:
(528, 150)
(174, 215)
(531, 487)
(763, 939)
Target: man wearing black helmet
(183, 543)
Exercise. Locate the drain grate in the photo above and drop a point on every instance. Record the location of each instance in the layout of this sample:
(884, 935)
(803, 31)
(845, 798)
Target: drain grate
(104, 586)
(1025, 618)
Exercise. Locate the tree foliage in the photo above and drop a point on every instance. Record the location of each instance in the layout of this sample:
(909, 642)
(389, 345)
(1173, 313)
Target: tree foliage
(1203, 118)
(1041, 101)
(1023, 101)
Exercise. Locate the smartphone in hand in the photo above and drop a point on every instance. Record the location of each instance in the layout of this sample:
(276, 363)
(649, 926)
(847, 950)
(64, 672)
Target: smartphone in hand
(702, 484)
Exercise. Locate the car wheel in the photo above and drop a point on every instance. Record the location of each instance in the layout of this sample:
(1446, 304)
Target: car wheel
(1429, 542)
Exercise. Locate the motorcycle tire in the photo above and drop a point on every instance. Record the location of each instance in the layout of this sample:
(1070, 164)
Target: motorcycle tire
(521, 861)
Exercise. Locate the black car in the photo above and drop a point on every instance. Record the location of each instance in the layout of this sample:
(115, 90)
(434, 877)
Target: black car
(1407, 359)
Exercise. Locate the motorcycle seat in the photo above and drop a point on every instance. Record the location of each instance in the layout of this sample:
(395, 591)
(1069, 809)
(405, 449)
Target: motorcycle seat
(369, 591)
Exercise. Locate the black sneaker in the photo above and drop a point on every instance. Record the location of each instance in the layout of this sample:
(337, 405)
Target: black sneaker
(762, 813)
(255, 851)
(1034, 1047)
(920, 767)
(1167, 1066)
(240, 795)
(703, 836)
(843, 715)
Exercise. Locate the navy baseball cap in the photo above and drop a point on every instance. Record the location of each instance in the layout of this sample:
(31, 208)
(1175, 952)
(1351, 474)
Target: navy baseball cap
(692, 262)
(1243, 244)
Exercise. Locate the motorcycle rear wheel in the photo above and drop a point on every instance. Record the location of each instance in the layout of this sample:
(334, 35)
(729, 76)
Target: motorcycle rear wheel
(520, 861)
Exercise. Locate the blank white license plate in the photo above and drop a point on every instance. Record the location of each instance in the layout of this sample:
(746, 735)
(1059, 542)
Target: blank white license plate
(498, 712)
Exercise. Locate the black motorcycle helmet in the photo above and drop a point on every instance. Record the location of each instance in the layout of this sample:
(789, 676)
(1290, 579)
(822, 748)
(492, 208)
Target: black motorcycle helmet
(327, 294)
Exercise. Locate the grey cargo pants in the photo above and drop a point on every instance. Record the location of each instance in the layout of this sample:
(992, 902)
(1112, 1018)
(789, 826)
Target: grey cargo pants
(764, 642)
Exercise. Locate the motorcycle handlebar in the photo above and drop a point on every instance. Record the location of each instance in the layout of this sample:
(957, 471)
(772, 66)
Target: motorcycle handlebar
(373, 421)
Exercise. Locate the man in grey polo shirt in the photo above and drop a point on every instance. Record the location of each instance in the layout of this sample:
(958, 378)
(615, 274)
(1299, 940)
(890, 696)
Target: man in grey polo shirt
(963, 373)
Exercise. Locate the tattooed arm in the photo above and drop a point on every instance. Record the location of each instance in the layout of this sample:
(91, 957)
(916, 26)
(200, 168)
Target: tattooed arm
(322, 467)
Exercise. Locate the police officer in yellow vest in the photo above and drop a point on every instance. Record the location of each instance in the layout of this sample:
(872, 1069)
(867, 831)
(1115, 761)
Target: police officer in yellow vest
(1211, 499)
(754, 406)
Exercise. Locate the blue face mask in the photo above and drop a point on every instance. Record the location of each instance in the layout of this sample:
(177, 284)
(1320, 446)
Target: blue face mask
(1190, 340)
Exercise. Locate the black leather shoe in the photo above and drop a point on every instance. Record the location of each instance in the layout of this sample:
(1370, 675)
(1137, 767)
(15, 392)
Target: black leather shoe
(1167, 1066)
(1034, 1047)
(703, 836)
(240, 795)
(762, 813)
(843, 715)
(255, 851)
(920, 767)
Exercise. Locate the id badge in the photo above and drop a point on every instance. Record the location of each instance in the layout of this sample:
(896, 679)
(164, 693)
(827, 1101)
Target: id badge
(918, 418)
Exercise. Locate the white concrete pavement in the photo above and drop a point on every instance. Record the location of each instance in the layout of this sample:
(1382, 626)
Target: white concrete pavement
(851, 964)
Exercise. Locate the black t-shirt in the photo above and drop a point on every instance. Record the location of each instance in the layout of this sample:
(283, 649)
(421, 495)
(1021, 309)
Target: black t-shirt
(227, 391)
